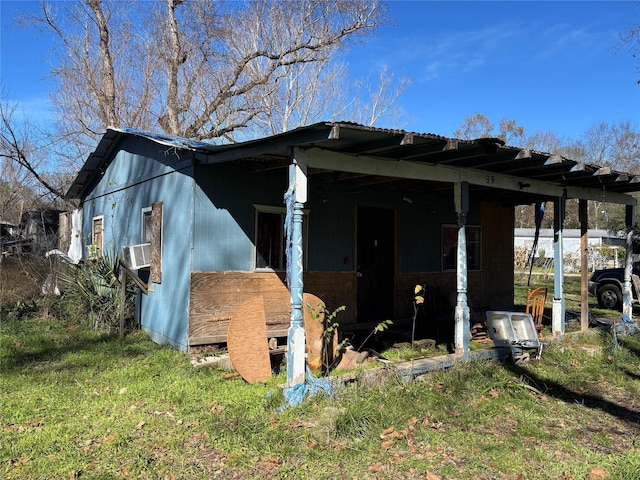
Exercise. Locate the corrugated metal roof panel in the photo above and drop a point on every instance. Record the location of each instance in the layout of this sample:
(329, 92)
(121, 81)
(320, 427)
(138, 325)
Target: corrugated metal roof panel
(485, 154)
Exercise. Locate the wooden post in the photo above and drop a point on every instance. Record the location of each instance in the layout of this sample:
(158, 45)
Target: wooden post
(462, 316)
(123, 298)
(584, 265)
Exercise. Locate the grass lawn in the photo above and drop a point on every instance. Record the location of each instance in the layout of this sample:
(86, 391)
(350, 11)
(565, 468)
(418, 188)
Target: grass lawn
(76, 403)
(79, 403)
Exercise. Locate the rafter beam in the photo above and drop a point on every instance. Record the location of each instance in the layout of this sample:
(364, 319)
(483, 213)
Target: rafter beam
(319, 158)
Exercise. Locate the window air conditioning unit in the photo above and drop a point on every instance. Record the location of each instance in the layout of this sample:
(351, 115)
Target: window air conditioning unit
(137, 256)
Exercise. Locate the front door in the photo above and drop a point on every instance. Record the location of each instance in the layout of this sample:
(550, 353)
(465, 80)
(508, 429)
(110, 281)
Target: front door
(375, 251)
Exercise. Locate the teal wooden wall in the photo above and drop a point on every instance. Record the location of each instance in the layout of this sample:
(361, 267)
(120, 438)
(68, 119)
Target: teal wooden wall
(131, 182)
(209, 221)
(225, 216)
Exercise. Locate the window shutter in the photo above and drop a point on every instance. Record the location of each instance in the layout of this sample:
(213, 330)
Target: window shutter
(156, 242)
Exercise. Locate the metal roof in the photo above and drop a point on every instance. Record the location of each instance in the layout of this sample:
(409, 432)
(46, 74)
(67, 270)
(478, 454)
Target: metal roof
(353, 141)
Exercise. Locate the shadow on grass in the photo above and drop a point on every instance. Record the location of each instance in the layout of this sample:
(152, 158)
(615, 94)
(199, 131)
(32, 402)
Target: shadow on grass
(42, 350)
(561, 392)
(631, 346)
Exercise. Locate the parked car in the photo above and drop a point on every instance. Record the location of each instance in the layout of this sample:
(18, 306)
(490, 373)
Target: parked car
(607, 286)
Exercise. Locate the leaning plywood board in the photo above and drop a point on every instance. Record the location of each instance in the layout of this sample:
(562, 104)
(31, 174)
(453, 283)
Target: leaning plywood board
(247, 341)
(313, 318)
(314, 311)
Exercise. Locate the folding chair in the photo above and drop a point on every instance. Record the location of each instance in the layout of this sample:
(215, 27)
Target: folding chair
(535, 305)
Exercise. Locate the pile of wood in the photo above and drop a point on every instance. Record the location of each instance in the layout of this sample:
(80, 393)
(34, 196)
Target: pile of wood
(479, 331)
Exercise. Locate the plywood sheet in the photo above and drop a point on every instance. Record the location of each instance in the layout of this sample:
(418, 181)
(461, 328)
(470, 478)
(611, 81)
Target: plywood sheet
(313, 310)
(215, 296)
(247, 341)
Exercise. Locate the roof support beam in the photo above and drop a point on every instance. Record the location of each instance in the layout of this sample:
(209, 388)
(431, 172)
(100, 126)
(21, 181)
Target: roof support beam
(326, 159)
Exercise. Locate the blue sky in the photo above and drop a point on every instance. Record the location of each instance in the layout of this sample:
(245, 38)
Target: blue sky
(548, 65)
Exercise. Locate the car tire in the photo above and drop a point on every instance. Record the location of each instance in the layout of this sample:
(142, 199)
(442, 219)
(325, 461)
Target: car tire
(610, 297)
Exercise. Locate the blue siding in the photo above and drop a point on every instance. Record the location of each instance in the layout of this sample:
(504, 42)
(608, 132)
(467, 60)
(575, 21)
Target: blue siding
(418, 226)
(224, 226)
(330, 230)
(225, 214)
(132, 182)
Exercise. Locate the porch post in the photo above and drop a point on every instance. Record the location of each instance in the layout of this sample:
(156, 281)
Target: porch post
(462, 317)
(295, 197)
(584, 265)
(627, 306)
(558, 313)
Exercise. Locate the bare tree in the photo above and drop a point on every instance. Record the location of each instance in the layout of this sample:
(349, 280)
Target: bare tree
(479, 126)
(20, 149)
(201, 69)
(631, 40)
(375, 101)
(475, 126)
(104, 69)
(615, 145)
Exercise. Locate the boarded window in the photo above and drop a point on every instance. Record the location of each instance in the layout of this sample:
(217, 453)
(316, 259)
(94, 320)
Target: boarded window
(155, 238)
(97, 237)
(270, 240)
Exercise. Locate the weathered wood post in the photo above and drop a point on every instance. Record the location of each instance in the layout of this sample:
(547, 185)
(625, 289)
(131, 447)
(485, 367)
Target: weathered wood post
(558, 313)
(462, 316)
(123, 297)
(296, 196)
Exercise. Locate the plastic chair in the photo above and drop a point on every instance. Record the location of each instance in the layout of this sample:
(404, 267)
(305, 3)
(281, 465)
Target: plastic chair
(535, 305)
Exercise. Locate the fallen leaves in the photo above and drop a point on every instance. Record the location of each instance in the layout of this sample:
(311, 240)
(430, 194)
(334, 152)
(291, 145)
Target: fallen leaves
(431, 476)
(390, 435)
(597, 473)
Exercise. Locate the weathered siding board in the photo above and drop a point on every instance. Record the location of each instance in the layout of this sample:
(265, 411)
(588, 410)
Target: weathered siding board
(163, 314)
(420, 232)
(334, 289)
(215, 296)
(497, 256)
(64, 232)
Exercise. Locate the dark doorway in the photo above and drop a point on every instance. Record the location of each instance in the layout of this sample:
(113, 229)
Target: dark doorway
(375, 252)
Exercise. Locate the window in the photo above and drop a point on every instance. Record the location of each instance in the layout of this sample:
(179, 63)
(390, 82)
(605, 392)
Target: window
(270, 240)
(146, 225)
(450, 246)
(97, 237)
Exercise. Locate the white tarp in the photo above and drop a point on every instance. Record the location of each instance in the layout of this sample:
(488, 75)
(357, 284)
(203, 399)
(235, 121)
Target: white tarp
(75, 246)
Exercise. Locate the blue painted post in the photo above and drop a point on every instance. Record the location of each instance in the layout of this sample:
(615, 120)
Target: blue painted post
(558, 312)
(296, 196)
(462, 316)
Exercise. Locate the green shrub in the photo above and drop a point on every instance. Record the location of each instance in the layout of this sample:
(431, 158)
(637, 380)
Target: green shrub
(91, 293)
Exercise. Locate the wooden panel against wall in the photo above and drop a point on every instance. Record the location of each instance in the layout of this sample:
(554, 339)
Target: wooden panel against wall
(215, 296)
(64, 232)
(497, 256)
(334, 289)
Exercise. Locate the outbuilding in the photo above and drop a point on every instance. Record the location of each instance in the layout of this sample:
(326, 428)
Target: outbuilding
(370, 214)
